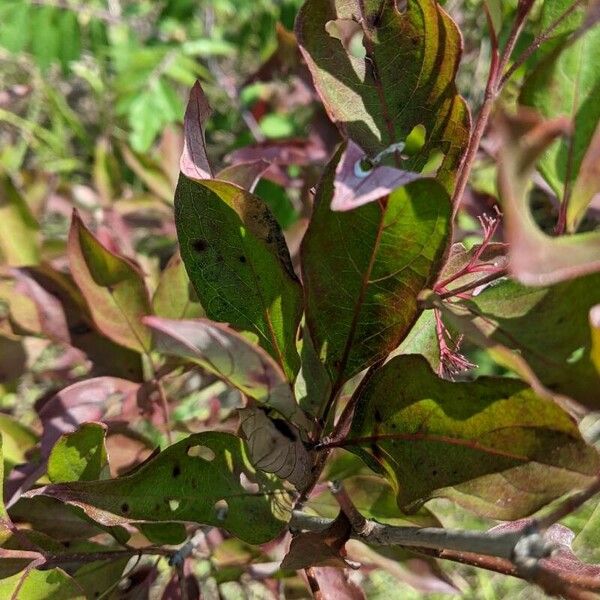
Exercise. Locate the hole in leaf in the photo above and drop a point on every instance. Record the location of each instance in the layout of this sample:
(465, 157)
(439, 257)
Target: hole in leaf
(176, 471)
(221, 509)
(125, 507)
(202, 452)
(350, 34)
(363, 167)
(415, 140)
(250, 486)
(174, 505)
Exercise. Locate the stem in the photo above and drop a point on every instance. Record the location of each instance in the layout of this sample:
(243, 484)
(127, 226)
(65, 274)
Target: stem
(467, 287)
(537, 42)
(163, 397)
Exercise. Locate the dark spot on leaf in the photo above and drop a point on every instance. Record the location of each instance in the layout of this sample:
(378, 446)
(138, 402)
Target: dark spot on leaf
(269, 239)
(66, 544)
(80, 329)
(176, 471)
(434, 472)
(242, 259)
(199, 245)
(125, 507)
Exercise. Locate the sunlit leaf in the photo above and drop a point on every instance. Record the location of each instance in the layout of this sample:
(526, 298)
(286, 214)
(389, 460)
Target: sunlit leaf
(41, 585)
(113, 287)
(236, 257)
(79, 456)
(492, 445)
(536, 258)
(403, 78)
(364, 268)
(196, 480)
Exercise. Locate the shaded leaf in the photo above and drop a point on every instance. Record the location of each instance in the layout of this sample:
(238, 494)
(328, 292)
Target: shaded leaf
(79, 456)
(230, 356)
(244, 174)
(321, 548)
(98, 577)
(175, 297)
(236, 257)
(363, 270)
(404, 78)
(492, 445)
(196, 480)
(595, 329)
(275, 446)
(113, 287)
(535, 258)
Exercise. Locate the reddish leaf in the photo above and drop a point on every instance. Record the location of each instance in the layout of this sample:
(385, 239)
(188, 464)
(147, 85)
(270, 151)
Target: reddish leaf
(194, 159)
(334, 583)
(244, 174)
(354, 187)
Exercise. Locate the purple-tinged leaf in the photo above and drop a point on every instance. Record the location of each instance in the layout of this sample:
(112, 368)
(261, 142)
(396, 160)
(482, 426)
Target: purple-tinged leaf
(227, 354)
(113, 287)
(354, 187)
(281, 152)
(244, 174)
(535, 258)
(194, 159)
(491, 445)
(595, 328)
(335, 583)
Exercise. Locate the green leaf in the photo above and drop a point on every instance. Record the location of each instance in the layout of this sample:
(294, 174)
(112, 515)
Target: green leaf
(566, 82)
(17, 440)
(492, 445)
(18, 228)
(175, 296)
(79, 456)
(364, 268)
(230, 356)
(98, 577)
(5, 529)
(548, 328)
(236, 257)
(41, 585)
(403, 78)
(196, 480)
(113, 287)
(536, 258)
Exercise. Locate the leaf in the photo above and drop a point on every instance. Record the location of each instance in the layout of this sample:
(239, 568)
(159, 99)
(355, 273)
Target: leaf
(17, 440)
(196, 480)
(32, 584)
(175, 297)
(236, 257)
(150, 172)
(95, 399)
(565, 82)
(98, 577)
(335, 583)
(322, 548)
(113, 287)
(244, 174)
(227, 354)
(354, 187)
(587, 184)
(79, 456)
(18, 227)
(404, 77)
(491, 445)
(595, 329)
(363, 270)
(535, 258)
(194, 159)
(548, 328)
(276, 447)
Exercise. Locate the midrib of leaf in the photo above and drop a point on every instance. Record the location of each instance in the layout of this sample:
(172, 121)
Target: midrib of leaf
(273, 340)
(361, 298)
(128, 321)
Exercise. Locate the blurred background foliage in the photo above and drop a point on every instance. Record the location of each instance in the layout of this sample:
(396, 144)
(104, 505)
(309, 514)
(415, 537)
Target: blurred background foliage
(92, 95)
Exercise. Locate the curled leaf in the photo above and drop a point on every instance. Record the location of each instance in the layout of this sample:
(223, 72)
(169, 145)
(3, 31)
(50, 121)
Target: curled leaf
(194, 159)
(276, 447)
